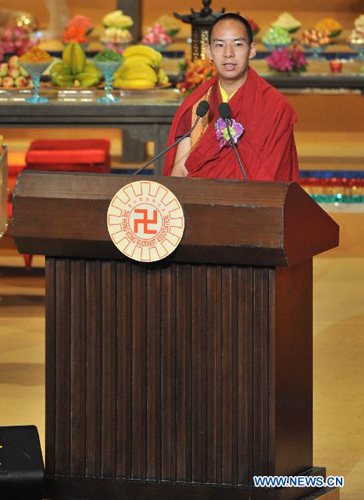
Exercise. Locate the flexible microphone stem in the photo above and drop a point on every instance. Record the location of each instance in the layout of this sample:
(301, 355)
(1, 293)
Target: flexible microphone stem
(201, 111)
(235, 150)
(166, 150)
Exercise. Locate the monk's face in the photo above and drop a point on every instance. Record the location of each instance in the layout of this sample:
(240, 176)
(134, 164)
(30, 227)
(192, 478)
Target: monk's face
(230, 50)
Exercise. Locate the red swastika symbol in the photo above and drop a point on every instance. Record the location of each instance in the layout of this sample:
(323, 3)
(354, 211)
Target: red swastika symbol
(145, 221)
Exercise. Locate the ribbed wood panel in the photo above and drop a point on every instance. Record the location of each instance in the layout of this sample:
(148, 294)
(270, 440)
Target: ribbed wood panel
(157, 373)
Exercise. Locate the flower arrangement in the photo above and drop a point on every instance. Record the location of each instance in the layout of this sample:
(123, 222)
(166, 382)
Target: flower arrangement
(196, 73)
(75, 34)
(169, 24)
(157, 35)
(116, 30)
(287, 60)
(81, 22)
(14, 41)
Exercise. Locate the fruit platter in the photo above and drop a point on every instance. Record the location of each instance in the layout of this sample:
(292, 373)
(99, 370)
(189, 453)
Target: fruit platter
(74, 70)
(139, 68)
(13, 76)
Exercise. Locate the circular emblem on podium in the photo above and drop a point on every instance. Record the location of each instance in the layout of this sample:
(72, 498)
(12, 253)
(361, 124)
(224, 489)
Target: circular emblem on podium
(145, 221)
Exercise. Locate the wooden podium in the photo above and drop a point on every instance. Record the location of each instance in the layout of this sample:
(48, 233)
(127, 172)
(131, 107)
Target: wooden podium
(182, 379)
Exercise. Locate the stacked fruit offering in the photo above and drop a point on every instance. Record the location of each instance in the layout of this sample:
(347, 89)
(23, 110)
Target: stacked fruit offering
(13, 75)
(276, 37)
(356, 37)
(331, 25)
(141, 69)
(75, 70)
(315, 38)
(287, 22)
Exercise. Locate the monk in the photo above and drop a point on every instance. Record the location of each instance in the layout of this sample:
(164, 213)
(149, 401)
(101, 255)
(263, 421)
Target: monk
(262, 118)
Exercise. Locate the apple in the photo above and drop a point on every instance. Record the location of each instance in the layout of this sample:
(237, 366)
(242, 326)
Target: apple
(21, 82)
(13, 62)
(14, 73)
(3, 69)
(8, 82)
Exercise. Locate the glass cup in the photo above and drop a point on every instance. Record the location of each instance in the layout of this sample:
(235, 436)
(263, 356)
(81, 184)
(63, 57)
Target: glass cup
(316, 51)
(278, 46)
(108, 69)
(336, 66)
(35, 70)
(359, 48)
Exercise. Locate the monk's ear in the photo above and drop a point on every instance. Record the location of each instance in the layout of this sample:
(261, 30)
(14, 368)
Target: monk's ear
(253, 50)
(208, 51)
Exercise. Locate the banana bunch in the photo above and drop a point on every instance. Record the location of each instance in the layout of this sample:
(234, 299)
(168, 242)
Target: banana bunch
(141, 69)
(75, 70)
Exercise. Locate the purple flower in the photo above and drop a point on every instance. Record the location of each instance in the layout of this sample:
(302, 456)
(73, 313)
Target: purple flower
(222, 134)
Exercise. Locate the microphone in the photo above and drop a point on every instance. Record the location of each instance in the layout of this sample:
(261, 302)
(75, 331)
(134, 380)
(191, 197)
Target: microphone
(201, 111)
(225, 113)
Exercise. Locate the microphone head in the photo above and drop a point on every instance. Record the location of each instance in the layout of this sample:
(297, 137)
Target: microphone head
(202, 108)
(224, 110)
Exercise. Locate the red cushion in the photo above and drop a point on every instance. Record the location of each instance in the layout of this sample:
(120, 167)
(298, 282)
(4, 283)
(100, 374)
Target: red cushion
(70, 144)
(80, 156)
(87, 155)
(71, 167)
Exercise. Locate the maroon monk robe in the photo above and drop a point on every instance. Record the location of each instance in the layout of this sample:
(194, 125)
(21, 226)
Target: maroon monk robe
(266, 148)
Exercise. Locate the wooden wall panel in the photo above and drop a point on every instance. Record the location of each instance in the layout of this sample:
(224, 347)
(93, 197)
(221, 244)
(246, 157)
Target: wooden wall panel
(138, 380)
(214, 329)
(154, 348)
(170, 343)
(63, 374)
(50, 352)
(108, 369)
(183, 374)
(93, 368)
(78, 367)
(124, 373)
(162, 373)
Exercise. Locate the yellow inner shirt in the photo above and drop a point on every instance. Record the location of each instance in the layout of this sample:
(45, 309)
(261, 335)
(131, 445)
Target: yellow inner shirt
(224, 96)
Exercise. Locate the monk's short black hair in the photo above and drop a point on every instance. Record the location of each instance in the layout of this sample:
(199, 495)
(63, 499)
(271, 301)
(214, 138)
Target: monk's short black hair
(235, 17)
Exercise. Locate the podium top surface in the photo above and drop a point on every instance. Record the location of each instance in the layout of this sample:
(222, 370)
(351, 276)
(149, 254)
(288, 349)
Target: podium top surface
(227, 222)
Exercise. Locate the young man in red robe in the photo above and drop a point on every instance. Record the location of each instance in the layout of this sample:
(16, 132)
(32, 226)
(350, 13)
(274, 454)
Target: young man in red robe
(266, 146)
